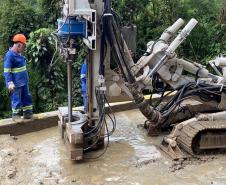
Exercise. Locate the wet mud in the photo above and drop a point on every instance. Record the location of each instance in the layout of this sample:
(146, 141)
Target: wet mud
(132, 158)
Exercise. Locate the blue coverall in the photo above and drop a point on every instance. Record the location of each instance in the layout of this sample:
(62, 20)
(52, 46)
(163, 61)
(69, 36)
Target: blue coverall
(15, 71)
(83, 79)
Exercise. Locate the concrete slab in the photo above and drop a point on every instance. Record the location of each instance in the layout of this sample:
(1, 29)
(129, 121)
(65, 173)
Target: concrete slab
(132, 158)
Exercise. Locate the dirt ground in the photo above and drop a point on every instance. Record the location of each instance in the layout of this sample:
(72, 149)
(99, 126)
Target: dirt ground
(132, 159)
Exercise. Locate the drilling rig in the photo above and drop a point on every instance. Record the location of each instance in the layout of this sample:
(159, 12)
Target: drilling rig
(159, 70)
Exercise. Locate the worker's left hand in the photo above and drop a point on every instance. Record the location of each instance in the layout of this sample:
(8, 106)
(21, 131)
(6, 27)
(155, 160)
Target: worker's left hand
(11, 86)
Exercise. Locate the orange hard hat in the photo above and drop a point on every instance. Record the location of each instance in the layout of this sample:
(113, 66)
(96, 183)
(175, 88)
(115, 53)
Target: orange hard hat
(20, 38)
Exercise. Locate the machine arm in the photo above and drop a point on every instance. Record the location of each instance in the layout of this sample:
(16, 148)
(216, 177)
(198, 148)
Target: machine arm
(160, 60)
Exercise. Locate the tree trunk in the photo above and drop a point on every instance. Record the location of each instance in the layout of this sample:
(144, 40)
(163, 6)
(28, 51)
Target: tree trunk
(222, 17)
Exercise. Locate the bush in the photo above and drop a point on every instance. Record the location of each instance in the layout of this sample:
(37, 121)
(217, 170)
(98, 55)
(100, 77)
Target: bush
(77, 95)
(47, 78)
(50, 11)
(153, 17)
(4, 97)
(16, 17)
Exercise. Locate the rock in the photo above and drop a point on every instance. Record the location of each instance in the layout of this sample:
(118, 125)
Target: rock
(14, 138)
(12, 161)
(57, 181)
(10, 154)
(12, 174)
(74, 180)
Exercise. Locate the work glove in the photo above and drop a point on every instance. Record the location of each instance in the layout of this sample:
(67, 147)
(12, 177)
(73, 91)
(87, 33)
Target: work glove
(11, 86)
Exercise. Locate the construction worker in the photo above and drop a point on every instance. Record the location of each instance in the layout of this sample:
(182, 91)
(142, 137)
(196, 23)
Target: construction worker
(16, 79)
(83, 79)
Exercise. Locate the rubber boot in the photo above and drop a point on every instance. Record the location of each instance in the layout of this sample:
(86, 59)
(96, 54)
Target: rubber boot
(28, 115)
(16, 118)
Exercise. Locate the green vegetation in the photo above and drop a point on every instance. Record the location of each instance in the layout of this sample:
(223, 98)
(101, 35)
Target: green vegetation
(37, 19)
(46, 78)
(153, 17)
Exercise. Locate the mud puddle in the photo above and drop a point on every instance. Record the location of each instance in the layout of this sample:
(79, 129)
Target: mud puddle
(132, 159)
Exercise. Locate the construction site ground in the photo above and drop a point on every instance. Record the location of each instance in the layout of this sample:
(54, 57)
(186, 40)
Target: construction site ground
(132, 158)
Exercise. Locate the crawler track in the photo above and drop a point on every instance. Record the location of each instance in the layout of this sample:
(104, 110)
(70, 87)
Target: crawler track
(203, 136)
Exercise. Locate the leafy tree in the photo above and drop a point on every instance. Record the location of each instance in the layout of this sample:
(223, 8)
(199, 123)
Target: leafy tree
(50, 11)
(4, 100)
(16, 16)
(48, 80)
(47, 75)
(152, 17)
(77, 64)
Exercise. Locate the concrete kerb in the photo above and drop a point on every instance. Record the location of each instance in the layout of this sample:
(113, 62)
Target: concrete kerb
(39, 122)
(47, 120)
(50, 119)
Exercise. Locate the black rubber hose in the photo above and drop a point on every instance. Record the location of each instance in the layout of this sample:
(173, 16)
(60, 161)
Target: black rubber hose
(148, 111)
(116, 41)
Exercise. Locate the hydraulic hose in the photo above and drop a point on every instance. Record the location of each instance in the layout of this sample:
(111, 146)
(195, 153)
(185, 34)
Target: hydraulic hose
(148, 111)
(120, 51)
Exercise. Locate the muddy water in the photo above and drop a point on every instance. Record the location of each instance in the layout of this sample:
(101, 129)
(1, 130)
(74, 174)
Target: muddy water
(131, 159)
